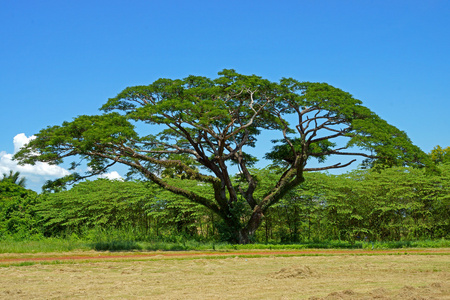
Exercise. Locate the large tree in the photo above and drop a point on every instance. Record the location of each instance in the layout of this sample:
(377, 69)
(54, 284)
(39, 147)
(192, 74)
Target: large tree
(199, 128)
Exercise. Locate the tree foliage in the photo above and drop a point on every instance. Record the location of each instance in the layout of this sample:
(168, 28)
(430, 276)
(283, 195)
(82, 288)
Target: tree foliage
(440, 155)
(204, 126)
(17, 214)
(136, 206)
(99, 203)
(14, 177)
(392, 204)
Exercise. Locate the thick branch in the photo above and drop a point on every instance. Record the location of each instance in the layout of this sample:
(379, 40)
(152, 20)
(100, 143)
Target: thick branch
(336, 166)
(176, 190)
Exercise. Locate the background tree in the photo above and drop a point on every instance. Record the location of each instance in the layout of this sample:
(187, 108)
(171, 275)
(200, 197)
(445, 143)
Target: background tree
(440, 155)
(299, 215)
(14, 177)
(18, 217)
(136, 207)
(391, 204)
(101, 203)
(205, 126)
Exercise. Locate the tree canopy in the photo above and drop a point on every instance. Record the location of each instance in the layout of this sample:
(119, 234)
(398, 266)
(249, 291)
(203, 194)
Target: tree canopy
(440, 155)
(198, 128)
(17, 215)
(14, 177)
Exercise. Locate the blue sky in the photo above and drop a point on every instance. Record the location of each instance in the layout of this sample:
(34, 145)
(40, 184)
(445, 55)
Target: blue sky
(61, 59)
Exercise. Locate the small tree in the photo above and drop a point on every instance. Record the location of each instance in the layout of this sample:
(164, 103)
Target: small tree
(204, 126)
(440, 155)
(14, 177)
(17, 210)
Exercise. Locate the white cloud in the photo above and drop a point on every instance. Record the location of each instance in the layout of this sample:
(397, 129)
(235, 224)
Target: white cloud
(38, 173)
(112, 176)
(21, 140)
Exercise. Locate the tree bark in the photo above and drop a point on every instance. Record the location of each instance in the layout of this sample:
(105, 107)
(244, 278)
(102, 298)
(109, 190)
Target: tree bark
(246, 233)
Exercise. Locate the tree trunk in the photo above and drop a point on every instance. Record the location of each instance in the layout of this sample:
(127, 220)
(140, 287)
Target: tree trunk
(246, 233)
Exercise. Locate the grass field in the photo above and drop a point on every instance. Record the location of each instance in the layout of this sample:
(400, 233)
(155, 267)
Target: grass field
(227, 275)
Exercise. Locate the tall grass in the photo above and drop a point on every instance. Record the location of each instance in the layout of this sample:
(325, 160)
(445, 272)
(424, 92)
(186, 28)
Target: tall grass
(442, 243)
(42, 245)
(114, 239)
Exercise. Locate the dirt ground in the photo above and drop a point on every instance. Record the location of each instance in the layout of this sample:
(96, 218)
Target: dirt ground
(235, 275)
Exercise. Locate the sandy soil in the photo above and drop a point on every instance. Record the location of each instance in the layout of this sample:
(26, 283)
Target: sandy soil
(235, 276)
(6, 258)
